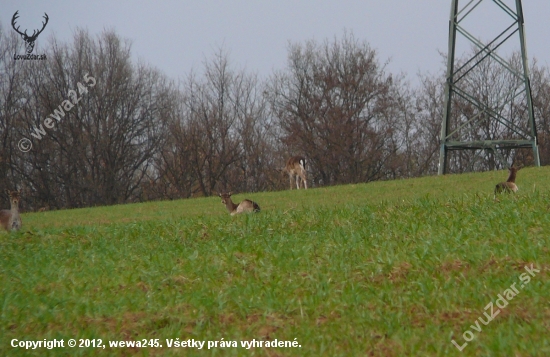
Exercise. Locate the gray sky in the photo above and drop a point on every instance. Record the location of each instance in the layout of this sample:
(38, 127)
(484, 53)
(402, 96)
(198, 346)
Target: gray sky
(176, 36)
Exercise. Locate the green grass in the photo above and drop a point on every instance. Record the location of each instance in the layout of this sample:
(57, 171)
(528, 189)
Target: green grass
(383, 269)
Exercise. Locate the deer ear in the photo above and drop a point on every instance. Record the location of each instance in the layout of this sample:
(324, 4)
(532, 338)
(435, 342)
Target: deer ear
(8, 192)
(219, 194)
(229, 194)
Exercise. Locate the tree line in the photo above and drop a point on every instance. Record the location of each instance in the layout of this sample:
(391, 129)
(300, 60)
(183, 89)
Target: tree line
(137, 135)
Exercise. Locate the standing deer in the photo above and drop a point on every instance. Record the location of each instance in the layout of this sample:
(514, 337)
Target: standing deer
(244, 206)
(510, 184)
(10, 219)
(296, 166)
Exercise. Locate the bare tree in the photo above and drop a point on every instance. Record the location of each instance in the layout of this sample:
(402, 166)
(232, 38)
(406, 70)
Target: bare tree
(94, 138)
(334, 105)
(13, 98)
(540, 87)
(424, 132)
(220, 136)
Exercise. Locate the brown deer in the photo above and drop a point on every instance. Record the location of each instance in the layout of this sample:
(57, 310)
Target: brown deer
(10, 219)
(510, 184)
(244, 206)
(296, 166)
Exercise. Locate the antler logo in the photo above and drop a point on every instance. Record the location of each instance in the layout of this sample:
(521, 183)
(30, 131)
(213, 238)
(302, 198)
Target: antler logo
(29, 40)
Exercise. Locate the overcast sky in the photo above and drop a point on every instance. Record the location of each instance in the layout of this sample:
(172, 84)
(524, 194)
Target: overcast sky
(176, 36)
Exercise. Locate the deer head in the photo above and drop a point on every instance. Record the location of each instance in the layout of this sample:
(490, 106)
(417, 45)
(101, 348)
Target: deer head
(29, 40)
(226, 197)
(14, 196)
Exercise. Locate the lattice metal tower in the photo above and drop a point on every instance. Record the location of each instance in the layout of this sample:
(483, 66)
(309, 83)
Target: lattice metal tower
(456, 132)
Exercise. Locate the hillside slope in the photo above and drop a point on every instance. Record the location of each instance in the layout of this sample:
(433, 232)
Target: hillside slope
(434, 187)
(381, 269)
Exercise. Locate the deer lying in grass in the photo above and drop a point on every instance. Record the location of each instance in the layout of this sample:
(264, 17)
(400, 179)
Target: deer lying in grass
(244, 206)
(510, 184)
(10, 219)
(296, 166)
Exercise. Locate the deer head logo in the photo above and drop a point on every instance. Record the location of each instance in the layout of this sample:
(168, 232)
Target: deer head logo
(29, 40)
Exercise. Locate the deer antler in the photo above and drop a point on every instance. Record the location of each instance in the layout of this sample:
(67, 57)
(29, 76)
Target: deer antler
(29, 40)
(34, 33)
(15, 17)
(43, 25)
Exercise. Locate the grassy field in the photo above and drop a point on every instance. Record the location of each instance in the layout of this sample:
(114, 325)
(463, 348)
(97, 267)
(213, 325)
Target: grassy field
(399, 268)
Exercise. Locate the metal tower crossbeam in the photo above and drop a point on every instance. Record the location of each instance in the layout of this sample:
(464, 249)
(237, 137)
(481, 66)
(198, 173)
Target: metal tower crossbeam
(525, 136)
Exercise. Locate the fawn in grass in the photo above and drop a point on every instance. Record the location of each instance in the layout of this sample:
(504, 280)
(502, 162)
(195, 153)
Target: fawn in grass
(244, 206)
(296, 166)
(510, 184)
(10, 219)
